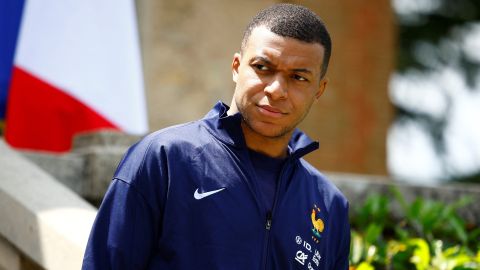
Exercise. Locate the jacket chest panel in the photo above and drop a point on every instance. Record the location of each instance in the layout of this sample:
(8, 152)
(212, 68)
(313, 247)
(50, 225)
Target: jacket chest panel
(301, 230)
(210, 205)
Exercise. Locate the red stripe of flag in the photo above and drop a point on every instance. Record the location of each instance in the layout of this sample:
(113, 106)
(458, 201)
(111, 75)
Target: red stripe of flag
(43, 117)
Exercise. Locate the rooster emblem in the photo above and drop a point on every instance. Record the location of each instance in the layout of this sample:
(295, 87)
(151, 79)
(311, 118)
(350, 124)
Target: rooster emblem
(318, 225)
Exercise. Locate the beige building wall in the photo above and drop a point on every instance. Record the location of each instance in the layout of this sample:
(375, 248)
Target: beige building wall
(187, 50)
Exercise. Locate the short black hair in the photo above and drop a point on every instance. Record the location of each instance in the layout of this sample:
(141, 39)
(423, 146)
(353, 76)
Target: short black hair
(294, 21)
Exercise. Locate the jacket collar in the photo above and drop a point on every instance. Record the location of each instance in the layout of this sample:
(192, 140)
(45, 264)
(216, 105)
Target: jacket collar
(227, 128)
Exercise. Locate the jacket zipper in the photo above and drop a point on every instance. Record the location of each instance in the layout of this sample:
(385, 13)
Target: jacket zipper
(270, 214)
(268, 225)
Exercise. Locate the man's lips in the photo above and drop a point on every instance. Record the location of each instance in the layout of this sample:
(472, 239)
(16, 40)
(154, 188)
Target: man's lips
(270, 111)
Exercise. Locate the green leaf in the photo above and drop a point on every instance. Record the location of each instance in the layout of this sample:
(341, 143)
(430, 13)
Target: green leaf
(421, 253)
(401, 232)
(365, 266)
(401, 200)
(372, 233)
(459, 229)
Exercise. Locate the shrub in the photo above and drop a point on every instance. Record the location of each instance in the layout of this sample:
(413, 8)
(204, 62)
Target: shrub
(428, 235)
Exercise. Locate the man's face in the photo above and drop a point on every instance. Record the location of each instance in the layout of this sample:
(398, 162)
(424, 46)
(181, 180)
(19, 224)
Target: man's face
(277, 80)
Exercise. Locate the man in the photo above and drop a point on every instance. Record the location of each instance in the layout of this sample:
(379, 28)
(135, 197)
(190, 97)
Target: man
(231, 190)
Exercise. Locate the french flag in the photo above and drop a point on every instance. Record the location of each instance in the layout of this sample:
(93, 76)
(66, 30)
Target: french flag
(76, 68)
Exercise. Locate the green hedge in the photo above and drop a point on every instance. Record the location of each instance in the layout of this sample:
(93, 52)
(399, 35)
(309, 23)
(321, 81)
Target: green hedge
(428, 235)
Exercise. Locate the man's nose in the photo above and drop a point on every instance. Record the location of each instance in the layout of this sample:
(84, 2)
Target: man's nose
(277, 88)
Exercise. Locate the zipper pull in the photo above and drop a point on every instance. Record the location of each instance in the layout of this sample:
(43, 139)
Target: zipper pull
(268, 225)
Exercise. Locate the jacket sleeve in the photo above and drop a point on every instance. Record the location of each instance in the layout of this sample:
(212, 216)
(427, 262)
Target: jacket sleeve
(128, 222)
(342, 262)
(122, 235)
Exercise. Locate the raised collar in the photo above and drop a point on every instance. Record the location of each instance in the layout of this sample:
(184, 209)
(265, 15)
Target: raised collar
(227, 128)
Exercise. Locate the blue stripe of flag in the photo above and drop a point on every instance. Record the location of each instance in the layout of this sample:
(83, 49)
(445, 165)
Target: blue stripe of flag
(10, 17)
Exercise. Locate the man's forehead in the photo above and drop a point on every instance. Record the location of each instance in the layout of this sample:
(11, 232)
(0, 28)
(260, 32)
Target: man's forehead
(262, 33)
(283, 50)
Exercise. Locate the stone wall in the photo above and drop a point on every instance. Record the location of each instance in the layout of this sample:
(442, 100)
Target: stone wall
(89, 167)
(358, 187)
(42, 223)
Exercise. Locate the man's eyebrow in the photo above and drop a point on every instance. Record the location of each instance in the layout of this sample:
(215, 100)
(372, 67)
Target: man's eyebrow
(261, 58)
(268, 62)
(302, 70)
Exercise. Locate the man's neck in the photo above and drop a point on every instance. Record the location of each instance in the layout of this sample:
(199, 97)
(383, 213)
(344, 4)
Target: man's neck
(273, 147)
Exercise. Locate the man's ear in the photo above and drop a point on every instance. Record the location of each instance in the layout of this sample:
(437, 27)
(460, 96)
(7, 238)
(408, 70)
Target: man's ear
(321, 88)
(235, 65)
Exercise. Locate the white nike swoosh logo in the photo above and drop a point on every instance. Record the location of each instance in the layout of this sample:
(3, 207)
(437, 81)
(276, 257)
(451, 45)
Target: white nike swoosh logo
(200, 196)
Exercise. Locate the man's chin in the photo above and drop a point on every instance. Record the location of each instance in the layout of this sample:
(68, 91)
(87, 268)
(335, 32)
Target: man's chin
(269, 131)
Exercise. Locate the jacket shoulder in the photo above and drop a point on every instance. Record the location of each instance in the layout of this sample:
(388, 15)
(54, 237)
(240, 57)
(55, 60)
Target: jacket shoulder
(190, 132)
(153, 151)
(330, 192)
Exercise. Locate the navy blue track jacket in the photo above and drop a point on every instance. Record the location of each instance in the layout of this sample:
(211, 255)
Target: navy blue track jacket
(186, 197)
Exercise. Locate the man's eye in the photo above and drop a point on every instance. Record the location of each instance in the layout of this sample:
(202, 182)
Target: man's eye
(299, 78)
(261, 67)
